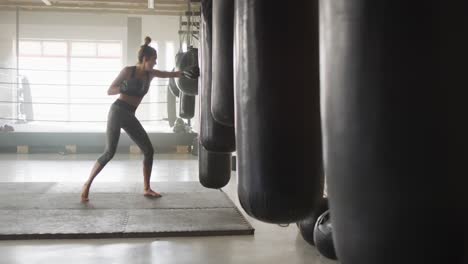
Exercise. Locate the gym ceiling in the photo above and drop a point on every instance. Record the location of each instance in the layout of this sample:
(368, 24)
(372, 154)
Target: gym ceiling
(141, 7)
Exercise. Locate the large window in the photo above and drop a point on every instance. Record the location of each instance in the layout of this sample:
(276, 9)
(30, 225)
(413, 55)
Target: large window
(93, 66)
(68, 81)
(68, 78)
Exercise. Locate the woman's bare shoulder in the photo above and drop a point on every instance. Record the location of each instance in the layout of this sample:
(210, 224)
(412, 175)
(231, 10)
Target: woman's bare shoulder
(126, 71)
(127, 68)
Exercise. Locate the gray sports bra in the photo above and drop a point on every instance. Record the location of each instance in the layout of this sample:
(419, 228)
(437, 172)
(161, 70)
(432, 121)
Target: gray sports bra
(134, 86)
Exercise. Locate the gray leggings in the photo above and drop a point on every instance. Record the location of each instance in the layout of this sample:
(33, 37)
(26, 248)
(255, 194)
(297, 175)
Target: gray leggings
(122, 115)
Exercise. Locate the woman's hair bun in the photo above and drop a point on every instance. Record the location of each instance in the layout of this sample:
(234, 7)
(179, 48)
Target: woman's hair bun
(147, 41)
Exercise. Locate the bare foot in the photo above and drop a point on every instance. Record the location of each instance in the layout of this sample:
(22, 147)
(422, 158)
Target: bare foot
(85, 193)
(152, 193)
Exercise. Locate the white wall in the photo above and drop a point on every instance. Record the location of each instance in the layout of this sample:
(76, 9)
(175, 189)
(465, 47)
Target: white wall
(162, 29)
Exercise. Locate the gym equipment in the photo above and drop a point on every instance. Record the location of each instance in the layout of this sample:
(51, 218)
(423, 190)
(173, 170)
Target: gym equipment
(178, 57)
(6, 128)
(213, 135)
(214, 168)
(192, 72)
(195, 212)
(390, 164)
(195, 146)
(179, 126)
(171, 107)
(222, 94)
(187, 61)
(26, 95)
(173, 87)
(186, 106)
(307, 225)
(279, 167)
(323, 236)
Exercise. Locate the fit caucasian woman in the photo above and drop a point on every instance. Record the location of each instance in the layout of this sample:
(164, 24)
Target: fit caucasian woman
(132, 84)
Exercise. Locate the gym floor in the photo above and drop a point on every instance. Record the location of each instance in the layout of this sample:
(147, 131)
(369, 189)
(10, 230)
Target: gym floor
(270, 244)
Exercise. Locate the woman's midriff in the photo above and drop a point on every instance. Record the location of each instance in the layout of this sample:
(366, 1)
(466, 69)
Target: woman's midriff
(132, 100)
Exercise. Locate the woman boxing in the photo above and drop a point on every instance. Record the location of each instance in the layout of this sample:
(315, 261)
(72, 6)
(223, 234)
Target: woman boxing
(132, 84)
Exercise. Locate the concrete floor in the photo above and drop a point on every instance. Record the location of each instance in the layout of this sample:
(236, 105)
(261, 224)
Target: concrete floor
(270, 244)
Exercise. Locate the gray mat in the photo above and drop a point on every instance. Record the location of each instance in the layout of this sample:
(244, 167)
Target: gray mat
(53, 211)
(99, 187)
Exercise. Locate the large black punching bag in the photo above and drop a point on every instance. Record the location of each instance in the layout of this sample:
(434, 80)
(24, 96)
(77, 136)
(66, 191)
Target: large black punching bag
(214, 168)
(393, 196)
(278, 132)
(222, 94)
(213, 135)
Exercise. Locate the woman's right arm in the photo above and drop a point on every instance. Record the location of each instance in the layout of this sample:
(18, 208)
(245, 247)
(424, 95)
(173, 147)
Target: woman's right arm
(115, 86)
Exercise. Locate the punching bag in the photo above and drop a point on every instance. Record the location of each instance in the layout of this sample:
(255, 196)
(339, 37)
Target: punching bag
(392, 194)
(214, 168)
(186, 106)
(278, 131)
(184, 61)
(306, 226)
(171, 107)
(28, 108)
(173, 87)
(323, 236)
(213, 135)
(222, 94)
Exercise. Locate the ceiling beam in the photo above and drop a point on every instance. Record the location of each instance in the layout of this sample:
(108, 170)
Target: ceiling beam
(110, 2)
(167, 2)
(161, 7)
(94, 10)
(180, 9)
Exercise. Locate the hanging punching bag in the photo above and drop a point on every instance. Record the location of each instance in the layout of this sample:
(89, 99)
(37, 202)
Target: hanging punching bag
(214, 168)
(186, 106)
(213, 135)
(323, 236)
(222, 94)
(278, 133)
(390, 186)
(173, 87)
(171, 107)
(184, 61)
(307, 225)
